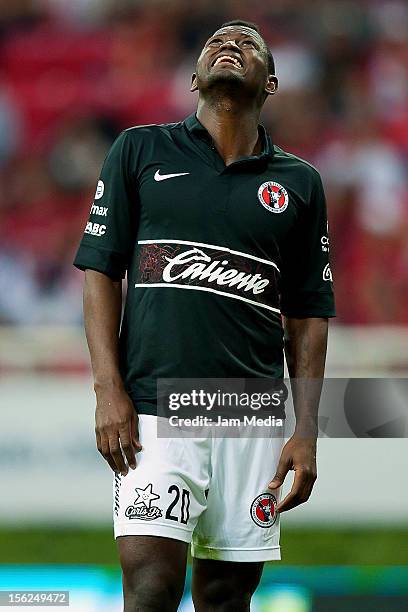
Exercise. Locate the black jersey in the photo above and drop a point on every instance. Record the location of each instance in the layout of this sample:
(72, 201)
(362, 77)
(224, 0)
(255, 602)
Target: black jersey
(214, 254)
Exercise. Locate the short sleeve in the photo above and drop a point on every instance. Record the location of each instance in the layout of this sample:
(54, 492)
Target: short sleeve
(306, 281)
(110, 232)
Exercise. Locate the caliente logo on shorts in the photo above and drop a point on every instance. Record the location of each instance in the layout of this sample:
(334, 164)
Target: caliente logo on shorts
(273, 197)
(142, 507)
(263, 510)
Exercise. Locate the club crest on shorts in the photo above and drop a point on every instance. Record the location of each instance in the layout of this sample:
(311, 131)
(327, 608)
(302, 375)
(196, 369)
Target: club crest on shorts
(263, 510)
(273, 197)
(142, 507)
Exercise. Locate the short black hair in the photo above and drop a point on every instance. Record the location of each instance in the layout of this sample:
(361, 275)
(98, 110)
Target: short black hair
(253, 26)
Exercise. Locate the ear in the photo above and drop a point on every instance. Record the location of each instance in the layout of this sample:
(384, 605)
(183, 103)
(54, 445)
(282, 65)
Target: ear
(271, 85)
(193, 83)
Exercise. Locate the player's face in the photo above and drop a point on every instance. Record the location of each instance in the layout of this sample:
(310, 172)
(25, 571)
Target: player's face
(234, 54)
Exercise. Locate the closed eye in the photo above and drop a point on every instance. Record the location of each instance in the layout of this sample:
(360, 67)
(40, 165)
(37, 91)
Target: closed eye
(248, 42)
(215, 41)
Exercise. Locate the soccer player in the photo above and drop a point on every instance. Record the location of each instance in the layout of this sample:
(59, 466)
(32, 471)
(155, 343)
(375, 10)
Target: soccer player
(222, 236)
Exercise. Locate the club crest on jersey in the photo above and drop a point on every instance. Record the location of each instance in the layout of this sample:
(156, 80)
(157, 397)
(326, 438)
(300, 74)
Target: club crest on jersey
(263, 510)
(273, 197)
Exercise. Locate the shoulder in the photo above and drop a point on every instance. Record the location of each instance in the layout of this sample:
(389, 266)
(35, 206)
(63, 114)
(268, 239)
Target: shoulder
(144, 142)
(140, 142)
(151, 130)
(305, 169)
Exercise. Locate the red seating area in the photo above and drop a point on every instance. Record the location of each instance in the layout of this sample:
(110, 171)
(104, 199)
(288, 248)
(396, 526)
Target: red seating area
(67, 87)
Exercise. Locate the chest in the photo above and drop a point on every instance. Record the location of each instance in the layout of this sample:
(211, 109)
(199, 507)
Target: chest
(241, 206)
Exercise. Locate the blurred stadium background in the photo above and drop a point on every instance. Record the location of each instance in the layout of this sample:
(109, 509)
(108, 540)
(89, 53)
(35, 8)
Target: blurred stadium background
(73, 74)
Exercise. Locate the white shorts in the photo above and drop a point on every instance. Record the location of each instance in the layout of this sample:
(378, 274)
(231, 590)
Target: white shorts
(211, 492)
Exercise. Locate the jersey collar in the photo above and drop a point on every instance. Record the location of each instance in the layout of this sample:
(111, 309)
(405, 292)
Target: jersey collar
(195, 127)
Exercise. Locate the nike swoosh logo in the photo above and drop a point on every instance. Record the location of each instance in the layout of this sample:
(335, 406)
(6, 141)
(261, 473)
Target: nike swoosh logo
(164, 177)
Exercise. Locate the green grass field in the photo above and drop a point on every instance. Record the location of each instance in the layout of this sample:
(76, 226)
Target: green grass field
(299, 547)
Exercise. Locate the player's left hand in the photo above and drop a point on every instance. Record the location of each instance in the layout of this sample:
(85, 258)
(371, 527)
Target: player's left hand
(298, 454)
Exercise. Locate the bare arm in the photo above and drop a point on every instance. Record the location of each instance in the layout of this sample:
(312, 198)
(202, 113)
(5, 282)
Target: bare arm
(305, 349)
(115, 416)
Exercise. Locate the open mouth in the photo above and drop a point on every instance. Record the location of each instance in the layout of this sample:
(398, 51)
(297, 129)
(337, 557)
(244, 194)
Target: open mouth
(228, 59)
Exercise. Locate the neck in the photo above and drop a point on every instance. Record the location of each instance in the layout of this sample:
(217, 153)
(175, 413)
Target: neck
(233, 128)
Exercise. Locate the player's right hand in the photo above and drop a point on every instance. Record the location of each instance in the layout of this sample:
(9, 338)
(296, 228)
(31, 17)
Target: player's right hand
(116, 428)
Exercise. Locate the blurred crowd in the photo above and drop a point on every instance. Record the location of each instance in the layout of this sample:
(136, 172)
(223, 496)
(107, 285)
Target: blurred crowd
(73, 73)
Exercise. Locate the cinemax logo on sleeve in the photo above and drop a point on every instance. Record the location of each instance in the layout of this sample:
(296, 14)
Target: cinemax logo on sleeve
(101, 211)
(95, 229)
